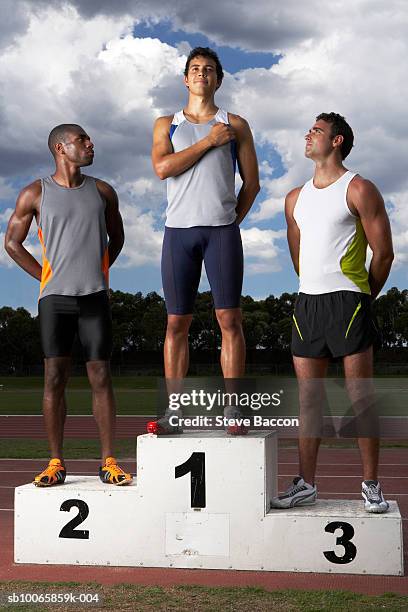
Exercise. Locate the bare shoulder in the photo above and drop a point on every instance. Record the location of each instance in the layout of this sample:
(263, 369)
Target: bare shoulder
(32, 190)
(163, 123)
(292, 195)
(30, 195)
(106, 190)
(361, 187)
(237, 122)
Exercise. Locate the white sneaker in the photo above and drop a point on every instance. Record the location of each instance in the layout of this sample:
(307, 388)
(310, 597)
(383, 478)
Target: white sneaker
(373, 497)
(300, 493)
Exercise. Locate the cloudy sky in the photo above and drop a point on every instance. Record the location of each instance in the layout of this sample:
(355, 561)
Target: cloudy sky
(115, 66)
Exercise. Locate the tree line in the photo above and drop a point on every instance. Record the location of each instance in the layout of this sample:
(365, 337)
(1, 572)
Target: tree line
(139, 324)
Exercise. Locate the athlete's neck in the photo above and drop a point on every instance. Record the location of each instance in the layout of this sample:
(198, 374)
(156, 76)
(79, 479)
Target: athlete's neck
(200, 110)
(327, 172)
(68, 176)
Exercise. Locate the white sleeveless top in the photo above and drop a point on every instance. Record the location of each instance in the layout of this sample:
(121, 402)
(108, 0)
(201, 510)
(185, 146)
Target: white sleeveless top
(333, 245)
(205, 193)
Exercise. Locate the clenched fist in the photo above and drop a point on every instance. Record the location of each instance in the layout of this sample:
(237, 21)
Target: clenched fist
(220, 134)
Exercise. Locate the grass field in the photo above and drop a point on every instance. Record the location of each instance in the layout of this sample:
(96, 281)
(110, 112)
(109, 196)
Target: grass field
(138, 395)
(24, 448)
(83, 448)
(204, 599)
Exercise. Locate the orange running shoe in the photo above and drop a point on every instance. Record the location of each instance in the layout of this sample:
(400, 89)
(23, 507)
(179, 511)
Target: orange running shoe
(111, 473)
(54, 474)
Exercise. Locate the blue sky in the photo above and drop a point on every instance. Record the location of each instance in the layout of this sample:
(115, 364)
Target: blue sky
(125, 69)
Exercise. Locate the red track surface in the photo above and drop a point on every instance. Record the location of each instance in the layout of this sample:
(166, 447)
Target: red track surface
(338, 477)
(128, 426)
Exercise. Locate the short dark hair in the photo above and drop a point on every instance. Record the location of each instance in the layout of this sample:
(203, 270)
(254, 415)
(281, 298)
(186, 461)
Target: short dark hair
(59, 134)
(339, 127)
(205, 52)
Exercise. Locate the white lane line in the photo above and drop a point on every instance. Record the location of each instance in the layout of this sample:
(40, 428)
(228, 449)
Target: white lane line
(382, 464)
(29, 472)
(320, 491)
(80, 460)
(348, 476)
(6, 509)
(389, 495)
(90, 416)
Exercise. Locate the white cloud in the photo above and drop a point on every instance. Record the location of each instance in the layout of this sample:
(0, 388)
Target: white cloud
(5, 260)
(6, 190)
(85, 67)
(5, 216)
(263, 25)
(261, 252)
(356, 68)
(143, 241)
(104, 80)
(398, 213)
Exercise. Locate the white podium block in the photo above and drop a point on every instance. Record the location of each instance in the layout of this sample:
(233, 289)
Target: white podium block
(202, 500)
(207, 494)
(336, 536)
(81, 522)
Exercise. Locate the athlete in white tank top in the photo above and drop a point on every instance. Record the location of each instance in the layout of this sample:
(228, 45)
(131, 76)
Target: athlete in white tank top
(330, 220)
(333, 244)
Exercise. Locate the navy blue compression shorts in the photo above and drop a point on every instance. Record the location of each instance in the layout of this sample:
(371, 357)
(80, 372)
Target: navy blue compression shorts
(185, 249)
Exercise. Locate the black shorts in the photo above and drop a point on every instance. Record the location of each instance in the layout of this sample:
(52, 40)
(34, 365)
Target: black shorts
(333, 324)
(64, 316)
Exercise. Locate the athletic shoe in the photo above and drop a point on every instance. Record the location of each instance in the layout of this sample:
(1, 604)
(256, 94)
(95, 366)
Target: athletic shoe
(231, 412)
(54, 474)
(300, 493)
(162, 427)
(111, 473)
(373, 497)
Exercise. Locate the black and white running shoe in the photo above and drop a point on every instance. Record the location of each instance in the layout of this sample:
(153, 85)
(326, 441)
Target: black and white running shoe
(300, 493)
(373, 497)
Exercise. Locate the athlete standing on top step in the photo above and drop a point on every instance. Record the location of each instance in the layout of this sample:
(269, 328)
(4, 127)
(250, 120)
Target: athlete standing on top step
(330, 220)
(196, 150)
(75, 215)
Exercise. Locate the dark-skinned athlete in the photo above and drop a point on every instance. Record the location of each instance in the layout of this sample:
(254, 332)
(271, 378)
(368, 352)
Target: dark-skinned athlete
(81, 233)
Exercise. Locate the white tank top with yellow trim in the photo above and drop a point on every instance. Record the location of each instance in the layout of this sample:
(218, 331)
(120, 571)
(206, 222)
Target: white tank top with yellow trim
(333, 245)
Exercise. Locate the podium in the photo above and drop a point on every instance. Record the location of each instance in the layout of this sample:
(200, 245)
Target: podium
(202, 500)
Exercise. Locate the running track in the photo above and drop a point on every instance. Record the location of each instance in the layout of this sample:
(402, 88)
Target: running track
(32, 426)
(338, 477)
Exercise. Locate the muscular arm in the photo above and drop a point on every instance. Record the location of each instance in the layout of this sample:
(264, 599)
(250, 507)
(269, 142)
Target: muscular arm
(247, 166)
(27, 206)
(293, 232)
(114, 223)
(365, 200)
(166, 163)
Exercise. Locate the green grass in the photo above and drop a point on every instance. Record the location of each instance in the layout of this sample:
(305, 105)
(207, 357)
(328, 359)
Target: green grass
(78, 382)
(206, 599)
(23, 395)
(26, 448)
(29, 401)
(138, 395)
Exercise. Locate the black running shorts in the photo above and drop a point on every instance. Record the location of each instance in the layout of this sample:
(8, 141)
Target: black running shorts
(64, 316)
(333, 324)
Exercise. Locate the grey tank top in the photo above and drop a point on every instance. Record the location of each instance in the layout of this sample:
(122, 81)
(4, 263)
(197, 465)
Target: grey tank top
(205, 193)
(72, 232)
